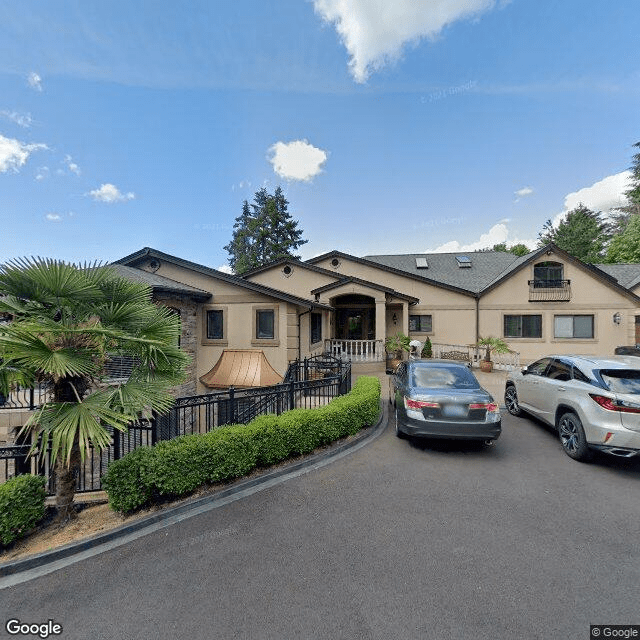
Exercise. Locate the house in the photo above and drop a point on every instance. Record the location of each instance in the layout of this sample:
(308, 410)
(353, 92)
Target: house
(547, 301)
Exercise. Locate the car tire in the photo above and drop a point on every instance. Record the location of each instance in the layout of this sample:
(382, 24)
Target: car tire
(572, 437)
(511, 401)
(399, 434)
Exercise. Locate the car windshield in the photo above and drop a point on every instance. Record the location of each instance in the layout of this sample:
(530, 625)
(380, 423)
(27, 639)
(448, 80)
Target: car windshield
(622, 380)
(434, 377)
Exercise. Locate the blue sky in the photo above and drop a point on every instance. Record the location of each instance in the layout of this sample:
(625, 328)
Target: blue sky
(412, 126)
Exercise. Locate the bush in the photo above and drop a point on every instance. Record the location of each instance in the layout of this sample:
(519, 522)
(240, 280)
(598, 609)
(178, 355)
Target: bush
(21, 506)
(177, 467)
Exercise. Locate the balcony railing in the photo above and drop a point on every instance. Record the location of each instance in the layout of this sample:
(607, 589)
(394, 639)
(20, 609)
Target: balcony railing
(356, 350)
(549, 290)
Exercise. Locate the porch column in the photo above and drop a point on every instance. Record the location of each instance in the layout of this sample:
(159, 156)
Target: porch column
(381, 326)
(405, 318)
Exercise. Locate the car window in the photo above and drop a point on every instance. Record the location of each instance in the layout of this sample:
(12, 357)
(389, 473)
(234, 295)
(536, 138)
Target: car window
(578, 375)
(559, 370)
(538, 368)
(622, 380)
(444, 377)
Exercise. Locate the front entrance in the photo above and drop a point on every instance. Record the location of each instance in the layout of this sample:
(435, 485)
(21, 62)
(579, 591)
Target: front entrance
(355, 317)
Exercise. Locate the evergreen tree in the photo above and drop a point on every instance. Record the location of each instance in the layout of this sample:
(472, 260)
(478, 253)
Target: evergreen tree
(517, 249)
(582, 233)
(620, 219)
(264, 232)
(625, 247)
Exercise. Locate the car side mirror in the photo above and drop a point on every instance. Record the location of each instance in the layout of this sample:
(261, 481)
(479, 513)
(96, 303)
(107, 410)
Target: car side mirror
(525, 370)
(390, 372)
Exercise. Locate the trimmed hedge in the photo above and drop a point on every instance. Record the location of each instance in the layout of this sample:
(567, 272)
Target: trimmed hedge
(21, 506)
(177, 467)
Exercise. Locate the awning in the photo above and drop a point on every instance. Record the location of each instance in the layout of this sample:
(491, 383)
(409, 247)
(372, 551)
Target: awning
(241, 368)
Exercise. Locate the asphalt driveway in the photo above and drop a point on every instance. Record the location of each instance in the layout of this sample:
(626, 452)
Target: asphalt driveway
(395, 540)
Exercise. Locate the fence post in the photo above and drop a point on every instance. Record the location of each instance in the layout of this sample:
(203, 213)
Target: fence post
(232, 406)
(306, 369)
(116, 444)
(154, 429)
(32, 402)
(292, 399)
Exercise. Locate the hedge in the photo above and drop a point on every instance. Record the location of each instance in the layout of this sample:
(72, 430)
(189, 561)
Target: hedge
(177, 467)
(21, 506)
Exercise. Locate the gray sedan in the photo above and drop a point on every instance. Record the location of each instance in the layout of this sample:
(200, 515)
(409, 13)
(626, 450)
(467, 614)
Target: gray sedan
(442, 399)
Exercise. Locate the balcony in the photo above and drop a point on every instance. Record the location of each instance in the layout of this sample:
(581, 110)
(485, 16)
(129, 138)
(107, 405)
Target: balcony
(549, 290)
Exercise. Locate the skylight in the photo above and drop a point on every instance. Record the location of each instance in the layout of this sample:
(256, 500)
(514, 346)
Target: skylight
(464, 262)
(421, 263)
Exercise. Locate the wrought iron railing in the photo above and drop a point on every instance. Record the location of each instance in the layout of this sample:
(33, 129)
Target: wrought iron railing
(549, 290)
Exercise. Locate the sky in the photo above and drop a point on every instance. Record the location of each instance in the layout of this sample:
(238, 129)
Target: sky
(392, 127)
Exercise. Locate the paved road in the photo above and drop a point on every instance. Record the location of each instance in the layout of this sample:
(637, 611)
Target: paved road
(395, 541)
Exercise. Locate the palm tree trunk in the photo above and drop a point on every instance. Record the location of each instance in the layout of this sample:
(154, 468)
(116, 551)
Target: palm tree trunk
(66, 485)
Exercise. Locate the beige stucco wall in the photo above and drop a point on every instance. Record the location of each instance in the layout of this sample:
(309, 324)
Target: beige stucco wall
(299, 283)
(589, 296)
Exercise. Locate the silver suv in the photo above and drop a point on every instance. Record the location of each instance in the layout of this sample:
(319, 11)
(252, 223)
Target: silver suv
(593, 402)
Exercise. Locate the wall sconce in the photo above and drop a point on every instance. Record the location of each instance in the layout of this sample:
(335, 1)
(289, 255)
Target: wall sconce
(616, 318)
(395, 319)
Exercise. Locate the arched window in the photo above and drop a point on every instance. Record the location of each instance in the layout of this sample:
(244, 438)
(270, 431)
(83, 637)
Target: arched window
(548, 274)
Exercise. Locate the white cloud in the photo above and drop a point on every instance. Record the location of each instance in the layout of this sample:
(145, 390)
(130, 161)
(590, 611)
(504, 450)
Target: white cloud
(605, 195)
(296, 160)
(497, 234)
(14, 154)
(34, 81)
(53, 217)
(225, 268)
(71, 165)
(43, 173)
(375, 31)
(110, 193)
(522, 193)
(243, 184)
(21, 119)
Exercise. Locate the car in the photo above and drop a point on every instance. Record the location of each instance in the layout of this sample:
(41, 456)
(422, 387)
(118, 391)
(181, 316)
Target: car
(593, 402)
(442, 399)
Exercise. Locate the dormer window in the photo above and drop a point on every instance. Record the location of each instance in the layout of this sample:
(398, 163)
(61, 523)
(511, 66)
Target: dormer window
(464, 262)
(548, 275)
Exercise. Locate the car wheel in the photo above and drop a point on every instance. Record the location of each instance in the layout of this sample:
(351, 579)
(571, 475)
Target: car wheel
(511, 401)
(399, 434)
(572, 437)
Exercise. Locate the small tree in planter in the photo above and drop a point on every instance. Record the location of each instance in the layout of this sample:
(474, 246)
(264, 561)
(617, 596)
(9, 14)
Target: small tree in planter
(427, 349)
(492, 345)
(394, 346)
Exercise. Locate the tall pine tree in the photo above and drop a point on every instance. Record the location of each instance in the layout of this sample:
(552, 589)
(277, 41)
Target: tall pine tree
(622, 216)
(263, 232)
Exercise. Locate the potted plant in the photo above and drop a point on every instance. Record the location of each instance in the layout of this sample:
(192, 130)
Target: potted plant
(394, 346)
(492, 345)
(427, 349)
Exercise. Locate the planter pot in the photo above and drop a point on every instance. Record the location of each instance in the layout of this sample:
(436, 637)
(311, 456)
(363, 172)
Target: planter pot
(486, 366)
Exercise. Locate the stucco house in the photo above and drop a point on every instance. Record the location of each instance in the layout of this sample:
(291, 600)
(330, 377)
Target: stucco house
(544, 302)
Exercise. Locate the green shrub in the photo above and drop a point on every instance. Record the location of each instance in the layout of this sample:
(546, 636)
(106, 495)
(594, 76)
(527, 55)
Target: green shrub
(177, 467)
(21, 506)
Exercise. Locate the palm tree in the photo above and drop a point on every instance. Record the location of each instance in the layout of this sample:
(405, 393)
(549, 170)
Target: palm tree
(67, 321)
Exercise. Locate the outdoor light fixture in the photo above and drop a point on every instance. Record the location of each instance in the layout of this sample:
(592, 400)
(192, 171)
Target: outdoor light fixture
(616, 318)
(395, 319)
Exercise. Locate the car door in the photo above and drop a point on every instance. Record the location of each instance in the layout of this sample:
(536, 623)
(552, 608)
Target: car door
(398, 382)
(553, 386)
(529, 387)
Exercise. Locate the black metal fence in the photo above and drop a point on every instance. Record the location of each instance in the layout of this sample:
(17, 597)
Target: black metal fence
(309, 383)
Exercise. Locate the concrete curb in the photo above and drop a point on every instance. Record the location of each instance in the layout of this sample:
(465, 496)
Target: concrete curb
(49, 561)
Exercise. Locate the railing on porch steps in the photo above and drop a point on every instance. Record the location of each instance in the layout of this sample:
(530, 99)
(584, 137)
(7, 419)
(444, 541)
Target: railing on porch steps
(506, 361)
(356, 350)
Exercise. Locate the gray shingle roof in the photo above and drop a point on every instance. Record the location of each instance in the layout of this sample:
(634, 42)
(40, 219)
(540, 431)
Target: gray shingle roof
(486, 266)
(628, 275)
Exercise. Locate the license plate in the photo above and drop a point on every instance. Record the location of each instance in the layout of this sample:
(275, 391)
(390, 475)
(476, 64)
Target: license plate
(454, 411)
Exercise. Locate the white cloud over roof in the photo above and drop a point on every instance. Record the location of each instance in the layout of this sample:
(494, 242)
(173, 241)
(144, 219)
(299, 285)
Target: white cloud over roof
(496, 235)
(109, 193)
(375, 31)
(34, 81)
(296, 160)
(14, 154)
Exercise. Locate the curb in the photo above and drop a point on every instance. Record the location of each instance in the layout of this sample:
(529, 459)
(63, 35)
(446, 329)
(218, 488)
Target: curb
(172, 515)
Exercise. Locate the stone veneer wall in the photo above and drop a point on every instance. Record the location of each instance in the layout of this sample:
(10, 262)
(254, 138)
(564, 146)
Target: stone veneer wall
(188, 339)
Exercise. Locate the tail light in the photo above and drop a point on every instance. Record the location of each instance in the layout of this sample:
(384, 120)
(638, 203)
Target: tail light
(409, 403)
(612, 405)
(490, 407)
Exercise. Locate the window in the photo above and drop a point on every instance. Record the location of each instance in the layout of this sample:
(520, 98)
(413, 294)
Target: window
(420, 324)
(464, 262)
(265, 324)
(421, 263)
(316, 327)
(529, 326)
(559, 370)
(215, 324)
(573, 327)
(538, 367)
(548, 274)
